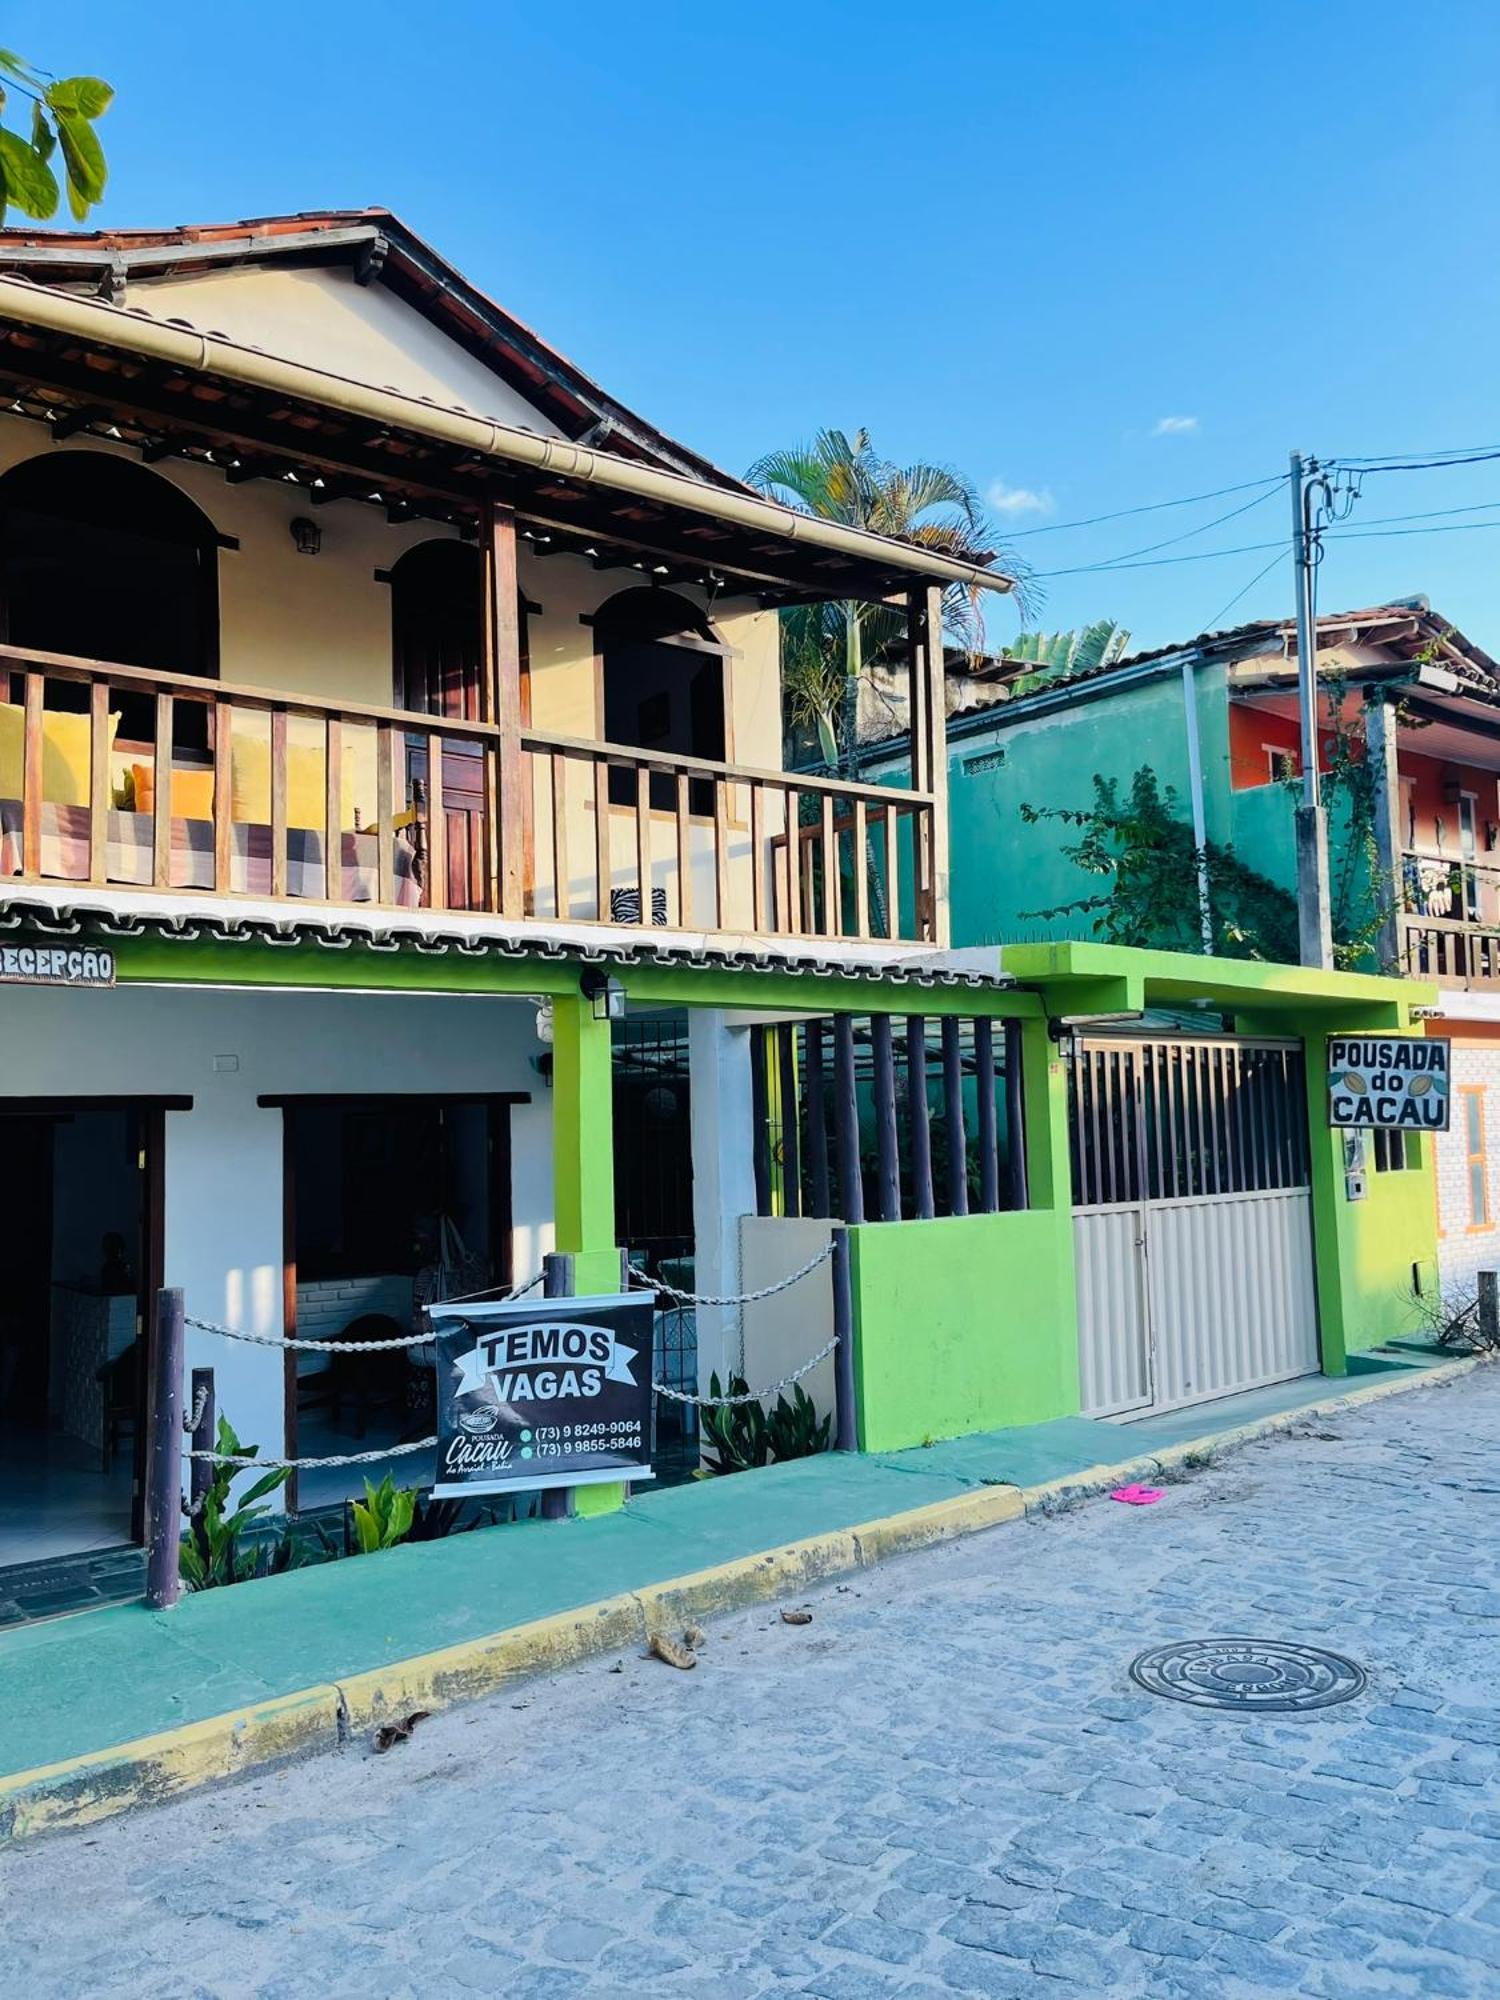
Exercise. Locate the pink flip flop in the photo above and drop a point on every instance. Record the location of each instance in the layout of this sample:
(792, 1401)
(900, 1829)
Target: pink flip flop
(1138, 1496)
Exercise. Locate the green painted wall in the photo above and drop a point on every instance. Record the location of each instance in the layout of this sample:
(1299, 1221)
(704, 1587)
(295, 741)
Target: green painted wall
(1003, 868)
(960, 1326)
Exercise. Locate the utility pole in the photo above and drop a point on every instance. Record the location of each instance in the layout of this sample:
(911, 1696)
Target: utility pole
(1314, 923)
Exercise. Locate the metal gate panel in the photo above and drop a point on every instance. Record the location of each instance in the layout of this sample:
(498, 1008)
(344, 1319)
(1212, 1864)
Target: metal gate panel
(1114, 1355)
(1192, 1219)
(1232, 1304)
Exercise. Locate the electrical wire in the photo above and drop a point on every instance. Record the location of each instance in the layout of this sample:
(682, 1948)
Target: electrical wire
(1152, 507)
(1161, 562)
(1219, 616)
(1478, 456)
(1109, 562)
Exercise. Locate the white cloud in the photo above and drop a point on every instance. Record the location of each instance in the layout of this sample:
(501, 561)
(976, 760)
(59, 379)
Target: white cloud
(1018, 499)
(1174, 426)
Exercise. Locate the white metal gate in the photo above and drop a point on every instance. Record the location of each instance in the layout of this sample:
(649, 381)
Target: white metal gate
(1192, 1219)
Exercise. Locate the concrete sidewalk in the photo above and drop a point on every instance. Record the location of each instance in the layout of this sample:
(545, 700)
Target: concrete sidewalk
(123, 1706)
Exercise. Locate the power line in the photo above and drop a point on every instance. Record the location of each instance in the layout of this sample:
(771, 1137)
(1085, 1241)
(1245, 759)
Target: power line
(1160, 562)
(1108, 562)
(1478, 456)
(1244, 590)
(1153, 507)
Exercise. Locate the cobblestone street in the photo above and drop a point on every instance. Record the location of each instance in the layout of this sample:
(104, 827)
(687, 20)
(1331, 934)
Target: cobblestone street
(944, 1784)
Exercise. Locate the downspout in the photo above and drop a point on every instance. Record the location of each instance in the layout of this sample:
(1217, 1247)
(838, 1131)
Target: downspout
(182, 347)
(1195, 794)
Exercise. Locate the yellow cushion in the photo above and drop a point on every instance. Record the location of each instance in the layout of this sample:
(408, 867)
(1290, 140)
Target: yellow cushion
(306, 781)
(66, 745)
(12, 749)
(192, 792)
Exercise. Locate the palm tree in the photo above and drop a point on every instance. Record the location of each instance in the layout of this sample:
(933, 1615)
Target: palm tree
(840, 478)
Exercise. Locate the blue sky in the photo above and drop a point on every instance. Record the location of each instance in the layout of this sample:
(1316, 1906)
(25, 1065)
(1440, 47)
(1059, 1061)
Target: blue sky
(1097, 254)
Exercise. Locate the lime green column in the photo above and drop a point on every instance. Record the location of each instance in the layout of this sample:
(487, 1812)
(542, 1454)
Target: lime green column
(583, 1145)
(583, 1171)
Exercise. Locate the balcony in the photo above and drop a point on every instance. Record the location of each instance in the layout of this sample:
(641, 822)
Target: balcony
(1450, 920)
(119, 777)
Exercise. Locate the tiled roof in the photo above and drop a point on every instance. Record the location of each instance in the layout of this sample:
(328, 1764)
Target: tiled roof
(376, 243)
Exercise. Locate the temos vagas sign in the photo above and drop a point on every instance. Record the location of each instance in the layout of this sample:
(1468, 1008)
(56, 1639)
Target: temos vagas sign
(543, 1392)
(1398, 1082)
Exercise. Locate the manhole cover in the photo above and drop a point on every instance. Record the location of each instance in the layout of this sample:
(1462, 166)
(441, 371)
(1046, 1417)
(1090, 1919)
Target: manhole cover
(1264, 1676)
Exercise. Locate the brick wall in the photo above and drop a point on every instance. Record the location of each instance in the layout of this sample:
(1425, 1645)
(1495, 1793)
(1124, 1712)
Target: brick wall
(1463, 1250)
(325, 1306)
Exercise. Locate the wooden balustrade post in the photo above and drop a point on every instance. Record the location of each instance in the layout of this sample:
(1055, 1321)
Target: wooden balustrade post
(502, 632)
(817, 1123)
(885, 1118)
(845, 1408)
(791, 1138)
(953, 1118)
(163, 1507)
(921, 1122)
(846, 1120)
(986, 1125)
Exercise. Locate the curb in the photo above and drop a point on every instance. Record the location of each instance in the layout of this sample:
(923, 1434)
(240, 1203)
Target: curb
(1054, 1495)
(265, 1736)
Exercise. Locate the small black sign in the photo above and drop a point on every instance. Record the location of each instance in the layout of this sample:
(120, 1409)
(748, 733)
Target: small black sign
(56, 965)
(543, 1392)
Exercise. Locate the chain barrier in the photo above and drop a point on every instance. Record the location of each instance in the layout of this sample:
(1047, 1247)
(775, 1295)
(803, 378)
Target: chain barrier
(309, 1464)
(640, 1282)
(750, 1395)
(645, 1284)
(348, 1346)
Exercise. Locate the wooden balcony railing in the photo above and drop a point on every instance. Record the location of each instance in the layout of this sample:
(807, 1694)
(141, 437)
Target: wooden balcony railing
(1450, 919)
(652, 838)
(119, 776)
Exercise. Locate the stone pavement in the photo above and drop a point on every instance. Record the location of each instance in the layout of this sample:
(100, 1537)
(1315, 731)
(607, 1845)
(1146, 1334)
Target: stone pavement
(944, 1784)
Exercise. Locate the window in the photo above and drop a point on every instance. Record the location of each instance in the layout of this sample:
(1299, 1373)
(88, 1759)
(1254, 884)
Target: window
(1282, 764)
(101, 558)
(1476, 1157)
(663, 677)
(1395, 1151)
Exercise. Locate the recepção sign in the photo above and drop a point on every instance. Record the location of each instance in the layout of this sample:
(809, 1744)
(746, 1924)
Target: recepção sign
(1394, 1082)
(542, 1392)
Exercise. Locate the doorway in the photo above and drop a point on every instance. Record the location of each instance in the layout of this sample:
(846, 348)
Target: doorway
(390, 1204)
(79, 1256)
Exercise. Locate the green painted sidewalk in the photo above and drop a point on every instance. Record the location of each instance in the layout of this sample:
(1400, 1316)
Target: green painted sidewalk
(80, 1686)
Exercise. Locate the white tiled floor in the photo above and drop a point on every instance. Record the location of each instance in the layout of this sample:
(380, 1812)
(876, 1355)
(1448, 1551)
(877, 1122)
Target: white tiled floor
(54, 1498)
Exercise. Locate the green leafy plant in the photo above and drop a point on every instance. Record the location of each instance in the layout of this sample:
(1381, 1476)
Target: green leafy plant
(63, 114)
(1143, 855)
(383, 1518)
(434, 1520)
(743, 1436)
(210, 1554)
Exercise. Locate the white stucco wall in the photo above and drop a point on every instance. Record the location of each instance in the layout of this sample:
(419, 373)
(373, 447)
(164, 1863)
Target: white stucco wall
(223, 1167)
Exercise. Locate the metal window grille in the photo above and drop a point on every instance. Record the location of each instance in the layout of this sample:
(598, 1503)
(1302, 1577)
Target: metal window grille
(1161, 1119)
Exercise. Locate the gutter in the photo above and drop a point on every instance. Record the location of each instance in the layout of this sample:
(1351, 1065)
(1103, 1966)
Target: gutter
(177, 346)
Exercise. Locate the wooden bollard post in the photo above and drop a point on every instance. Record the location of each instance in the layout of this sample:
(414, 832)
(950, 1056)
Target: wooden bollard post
(845, 1422)
(200, 1472)
(1489, 1310)
(164, 1463)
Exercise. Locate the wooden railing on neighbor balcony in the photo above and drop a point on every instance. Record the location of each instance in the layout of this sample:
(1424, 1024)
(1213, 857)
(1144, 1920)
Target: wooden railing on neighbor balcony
(1450, 919)
(281, 797)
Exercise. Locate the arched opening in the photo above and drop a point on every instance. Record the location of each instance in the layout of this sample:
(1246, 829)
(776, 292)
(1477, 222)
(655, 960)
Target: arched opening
(437, 629)
(662, 667)
(105, 560)
(438, 668)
